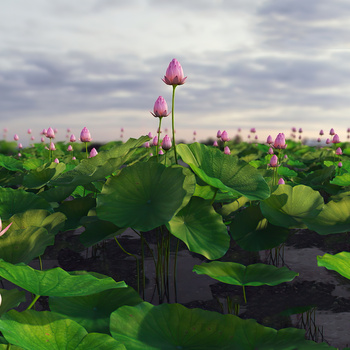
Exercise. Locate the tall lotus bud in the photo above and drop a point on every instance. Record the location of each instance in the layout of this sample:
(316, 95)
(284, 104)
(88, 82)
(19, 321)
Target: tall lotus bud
(174, 74)
(20, 146)
(338, 152)
(166, 143)
(150, 135)
(319, 140)
(52, 147)
(93, 153)
(270, 151)
(300, 130)
(215, 144)
(328, 141)
(280, 141)
(335, 139)
(160, 108)
(50, 133)
(294, 129)
(42, 139)
(218, 134)
(253, 130)
(273, 161)
(224, 136)
(161, 152)
(56, 160)
(331, 132)
(227, 150)
(72, 138)
(269, 140)
(29, 131)
(146, 145)
(16, 137)
(43, 132)
(281, 182)
(321, 133)
(155, 141)
(70, 148)
(340, 164)
(85, 135)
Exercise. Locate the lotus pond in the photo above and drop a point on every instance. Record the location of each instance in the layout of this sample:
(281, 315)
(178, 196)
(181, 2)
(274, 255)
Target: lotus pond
(194, 250)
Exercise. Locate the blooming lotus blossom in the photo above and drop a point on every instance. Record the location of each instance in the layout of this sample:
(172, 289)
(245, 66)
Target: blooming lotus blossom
(269, 140)
(331, 132)
(335, 139)
(56, 160)
(70, 148)
(85, 135)
(280, 141)
(160, 108)
(273, 161)
(339, 152)
(93, 153)
(218, 134)
(2, 231)
(166, 143)
(224, 136)
(72, 138)
(174, 74)
(281, 182)
(50, 133)
(227, 150)
(215, 144)
(16, 137)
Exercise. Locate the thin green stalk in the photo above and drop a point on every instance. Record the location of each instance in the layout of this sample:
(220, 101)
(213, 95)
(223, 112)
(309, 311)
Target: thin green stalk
(213, 199)
(87, 154)
(173, 122)
(33, 302)
(158, 141)
(244, 296)
(137, 263)
(8, 346)
(41, 263)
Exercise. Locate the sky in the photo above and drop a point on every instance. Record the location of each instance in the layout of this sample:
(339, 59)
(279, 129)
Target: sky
(267, 64)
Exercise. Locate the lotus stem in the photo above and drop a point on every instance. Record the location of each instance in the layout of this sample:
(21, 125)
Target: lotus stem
(33, 302)
(41, 263)
(244, 295)
(173, 122)
(158, 141)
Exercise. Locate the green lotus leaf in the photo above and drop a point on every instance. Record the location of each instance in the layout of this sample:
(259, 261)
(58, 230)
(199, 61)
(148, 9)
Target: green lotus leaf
(318, 177)
(57, 194)
(53, 223)
(145, 195)
(223, 171)
(173, 327)
(10, 299)
(341, 180)
(290, 206)
(92, 311)
(101, 166)
(18, 201)
(334, 218)
(228, 209)
(284, 171)
(240, 275)
(10, 163)
(40, 176)
(46, 330)
(251, 230)
(201, 229)
(339, 262)
(56, 282)
(24, 245)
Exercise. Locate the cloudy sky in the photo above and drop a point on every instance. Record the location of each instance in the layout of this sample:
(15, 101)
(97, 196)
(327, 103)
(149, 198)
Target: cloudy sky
(266, 64)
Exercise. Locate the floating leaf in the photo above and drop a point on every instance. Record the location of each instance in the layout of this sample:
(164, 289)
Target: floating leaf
(201, 228)
(11, 299)
(290, 206)
(339, 262)
(251, 230)
(342, 180)
(46, 330)
(223, 171)
(10, 163)
(172, 326)
(145, 195)
(57, 194)
(56, 282)
(92, 311)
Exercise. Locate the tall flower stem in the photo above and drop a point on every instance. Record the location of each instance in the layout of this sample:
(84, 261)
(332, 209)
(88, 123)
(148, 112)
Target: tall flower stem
(87, 153)
(158, 141)
(33, 302)
(173, 122)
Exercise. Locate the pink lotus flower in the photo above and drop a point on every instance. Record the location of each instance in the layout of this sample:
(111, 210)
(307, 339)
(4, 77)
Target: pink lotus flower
(347, 130)
(52, 147)
(273, 161)
(270, 151)
(146, 145)
(150, 135)
(256, 137)
(85, 135)
(72, 138)
(19, 155)
(68, 130)
(2, 231)
(300, 130)
(280, 141)
(269, 140)
(70, 148)
(93, 153)
(174, 74)
(318, 140)
(55, 131)
(50, 133)
(340, 164)
(218, 134)
(42, 139)
(335, 139)
(56, 160)
(215, 144)
(253, 130)
(281, 182)
(339, 152)
(294, 129)
(239, 129)
(155, 141)
(321, 133)
(43, 132)
(328, 141)
(29, 131)
(166, 143)
(161, 152)
(32, 138)
(122, 130)
(160, 108)
(331, 132)
(74, 158)
(151, 154)
(194, 132)
(227, 150)
(20, 146)
(16, 137)
(224, 136)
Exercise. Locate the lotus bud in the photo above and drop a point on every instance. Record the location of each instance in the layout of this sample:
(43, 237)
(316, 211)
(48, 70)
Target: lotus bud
(56, 160)
(166, 143)
(294, 129)
(161, 152)
(16, 137)
(70, 148)
(19, 155)
(174, 74)
(227, 150)
(270, 151)
(299, 137)
(85, 135)
(239, 129)
(253, 130)
(321, 133)
(151, 154)
(224, 136)
(300, 130)
(50, 133)
(215, 144)
(340, 164)
(68, 130)
(285, 156)
(269, 140)
(160, 108)
(74, 158)
(281, 182)
(43, 132)
(20, 146)
(338, 152)
(146, 145)
(93, 153)
(273, 161)
(194, 132)
(55, 131)
(72, 138)
(42, 139)
(122, 130)
(150, 135)
(29, 131)
(32, 138)
(280, 141)
(256, 137)
(331, 132)
(347, 130)
(155, 141)
(335, 139)
(319, 139)
(52, 147)
(328, 141)
(218, 134)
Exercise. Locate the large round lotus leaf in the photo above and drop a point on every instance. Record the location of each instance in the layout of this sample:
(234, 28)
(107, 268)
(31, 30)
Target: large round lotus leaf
(339, 262)
(17, 201)
(240, 275)
(290, 206)
(223, 171)
(145, 195)
(341, 180)
(24, 245)
(92, 311)
(40, 176)
(201, 229)
(46, 330)
(101, 166)
(173, 327)
(10, 163)
(56, 282)
(334, 218)
(11, 299)
(53, 223)
(251, 230)
(57, 194)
